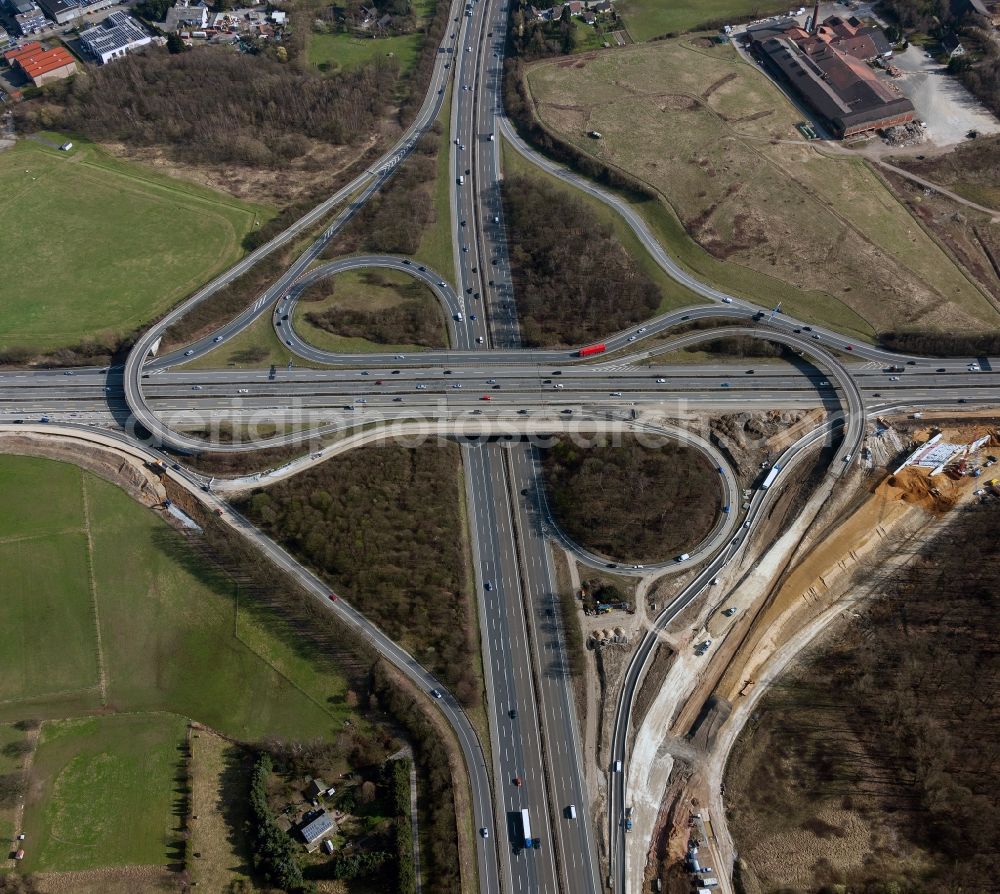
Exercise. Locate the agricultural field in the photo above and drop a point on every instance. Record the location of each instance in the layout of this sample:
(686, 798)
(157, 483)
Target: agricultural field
(104, 792)
(646, 19)
(748, 204)
(94, 247)
(174, 636)
(371, 310)
(43, 551)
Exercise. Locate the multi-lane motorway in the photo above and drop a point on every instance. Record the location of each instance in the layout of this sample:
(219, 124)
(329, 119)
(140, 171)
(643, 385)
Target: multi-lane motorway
(486, 378)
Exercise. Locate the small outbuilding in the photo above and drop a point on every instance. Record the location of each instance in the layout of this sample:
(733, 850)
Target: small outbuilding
(315, 788)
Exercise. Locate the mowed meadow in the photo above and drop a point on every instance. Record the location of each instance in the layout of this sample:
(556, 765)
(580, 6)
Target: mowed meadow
(94, 247)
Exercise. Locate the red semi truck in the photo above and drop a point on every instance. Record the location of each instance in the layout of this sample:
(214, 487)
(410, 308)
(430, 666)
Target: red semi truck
(592, 349)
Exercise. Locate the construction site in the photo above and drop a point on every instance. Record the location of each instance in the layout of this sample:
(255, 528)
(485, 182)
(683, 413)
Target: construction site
(728, 765)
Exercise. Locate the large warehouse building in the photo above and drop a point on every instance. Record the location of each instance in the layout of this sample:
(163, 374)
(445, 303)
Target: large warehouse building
(826, 67)
(41, 65)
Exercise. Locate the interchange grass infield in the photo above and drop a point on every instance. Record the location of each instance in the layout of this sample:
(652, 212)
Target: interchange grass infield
(95, 247)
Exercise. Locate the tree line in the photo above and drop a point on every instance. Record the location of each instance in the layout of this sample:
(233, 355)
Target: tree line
(273, 850)
(573, 280)
(942, 344)
(437, 819)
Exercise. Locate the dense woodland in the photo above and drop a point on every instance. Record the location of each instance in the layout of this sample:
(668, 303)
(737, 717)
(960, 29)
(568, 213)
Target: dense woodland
(574, 282)
(898, 718)
(383, 526)
(214, 105)
(630, 502)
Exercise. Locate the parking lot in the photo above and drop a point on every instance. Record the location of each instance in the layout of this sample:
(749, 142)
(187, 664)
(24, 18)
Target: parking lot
(940, 99)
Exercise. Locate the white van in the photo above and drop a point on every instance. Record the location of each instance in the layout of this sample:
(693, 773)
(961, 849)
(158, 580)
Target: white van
(459, 317)
(461, 179)
(618, 766)
(571, 811)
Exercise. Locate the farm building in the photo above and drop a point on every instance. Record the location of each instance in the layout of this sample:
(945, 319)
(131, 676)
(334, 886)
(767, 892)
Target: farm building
(40, 65)
(827, 69)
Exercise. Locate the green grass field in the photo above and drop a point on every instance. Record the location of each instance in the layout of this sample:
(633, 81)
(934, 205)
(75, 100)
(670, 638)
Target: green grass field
(353, 292)
(646, 19)
(48, 640)
(169, 632)
(331, 53)
(94, 247)
(105, 793)
(765, 215)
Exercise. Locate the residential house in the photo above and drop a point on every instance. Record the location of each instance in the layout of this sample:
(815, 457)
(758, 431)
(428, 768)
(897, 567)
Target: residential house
(317, 826)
